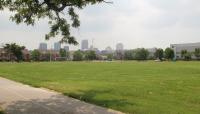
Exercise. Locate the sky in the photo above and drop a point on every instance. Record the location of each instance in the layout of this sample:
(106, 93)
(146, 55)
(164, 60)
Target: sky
(135, 23)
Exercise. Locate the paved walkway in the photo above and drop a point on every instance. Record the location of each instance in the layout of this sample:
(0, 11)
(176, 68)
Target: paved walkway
(16, 98)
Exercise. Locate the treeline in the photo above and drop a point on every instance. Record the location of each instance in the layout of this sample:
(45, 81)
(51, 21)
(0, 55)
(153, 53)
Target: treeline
(135, 54)
(14, 52)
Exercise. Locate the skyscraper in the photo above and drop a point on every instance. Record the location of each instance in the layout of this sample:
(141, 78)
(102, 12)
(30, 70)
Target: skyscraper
(57, 46)
(84, 45)
(119, 47)
(43, 46)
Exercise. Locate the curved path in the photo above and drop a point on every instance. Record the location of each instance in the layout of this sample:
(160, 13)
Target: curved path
(16, 98)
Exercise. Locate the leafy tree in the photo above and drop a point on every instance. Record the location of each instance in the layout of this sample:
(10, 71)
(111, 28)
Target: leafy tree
(90, 55)
(141, 54)
(35, 55)
(186, 55)
(197, 53)
(15, 50)
(129, 55)
(63, 53)
(169, 53)
(159, 54)
(78, 56)
(29, 11)
(110, 57)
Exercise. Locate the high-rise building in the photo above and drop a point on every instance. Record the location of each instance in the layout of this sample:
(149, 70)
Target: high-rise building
(66, 48)
(43, 46)
(119, 47)
(84, 45)
(57, 46)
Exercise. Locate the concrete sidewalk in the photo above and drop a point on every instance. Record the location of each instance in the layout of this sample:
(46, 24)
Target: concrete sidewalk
(16, 98)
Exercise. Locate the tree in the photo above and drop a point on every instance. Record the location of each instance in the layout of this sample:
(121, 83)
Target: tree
(169, 54)
(90, 55)
(29, 11)
(15, 50)
(141, 54)
(63, 53)
(197, 53)
(110, 57)
(129, 55)
(35, 55)
(78, 56)
(159, 54)
(186, 55)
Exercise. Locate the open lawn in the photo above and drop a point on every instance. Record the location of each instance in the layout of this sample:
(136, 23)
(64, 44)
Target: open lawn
(131, 87)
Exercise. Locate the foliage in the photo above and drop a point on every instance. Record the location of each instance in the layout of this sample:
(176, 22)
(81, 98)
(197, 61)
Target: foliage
(35, 55)
(129, 55)
(15, 50)
(131, 87)
(141, 54)
(63, 53)
(159, 54)
(90, 55)
(30, 11)
(169, 53)
(186, 55)
(197, 53)
(110, 57)
(78, 56)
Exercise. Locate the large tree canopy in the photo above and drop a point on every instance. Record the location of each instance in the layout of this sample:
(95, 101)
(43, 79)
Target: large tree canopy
(29, 11)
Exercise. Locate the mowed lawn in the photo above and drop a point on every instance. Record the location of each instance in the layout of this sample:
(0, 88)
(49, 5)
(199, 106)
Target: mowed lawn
(131, 87)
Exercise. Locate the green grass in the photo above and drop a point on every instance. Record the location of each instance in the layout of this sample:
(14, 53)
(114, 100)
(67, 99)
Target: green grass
(131, 87)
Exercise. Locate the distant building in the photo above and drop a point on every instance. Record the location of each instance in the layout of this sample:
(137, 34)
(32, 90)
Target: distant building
(57, 46)
(43, 46)
(190, 47)
(84, 45)
(66, 48)
(108, 49)
(119, 47)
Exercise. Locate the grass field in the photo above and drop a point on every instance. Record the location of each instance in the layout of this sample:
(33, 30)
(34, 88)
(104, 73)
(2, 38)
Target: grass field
(131, 87)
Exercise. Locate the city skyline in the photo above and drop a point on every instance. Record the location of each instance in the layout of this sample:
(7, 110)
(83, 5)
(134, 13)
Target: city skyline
(143, 23)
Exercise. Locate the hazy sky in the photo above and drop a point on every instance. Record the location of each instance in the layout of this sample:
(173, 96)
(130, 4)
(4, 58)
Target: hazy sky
(135, 23)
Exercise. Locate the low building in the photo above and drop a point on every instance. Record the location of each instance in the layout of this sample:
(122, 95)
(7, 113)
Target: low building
(190, 47)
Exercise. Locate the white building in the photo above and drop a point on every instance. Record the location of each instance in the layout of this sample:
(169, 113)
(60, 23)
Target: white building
(84, 45)
(57, 46)
(43, 46)
(190, 47)
(119, 47)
